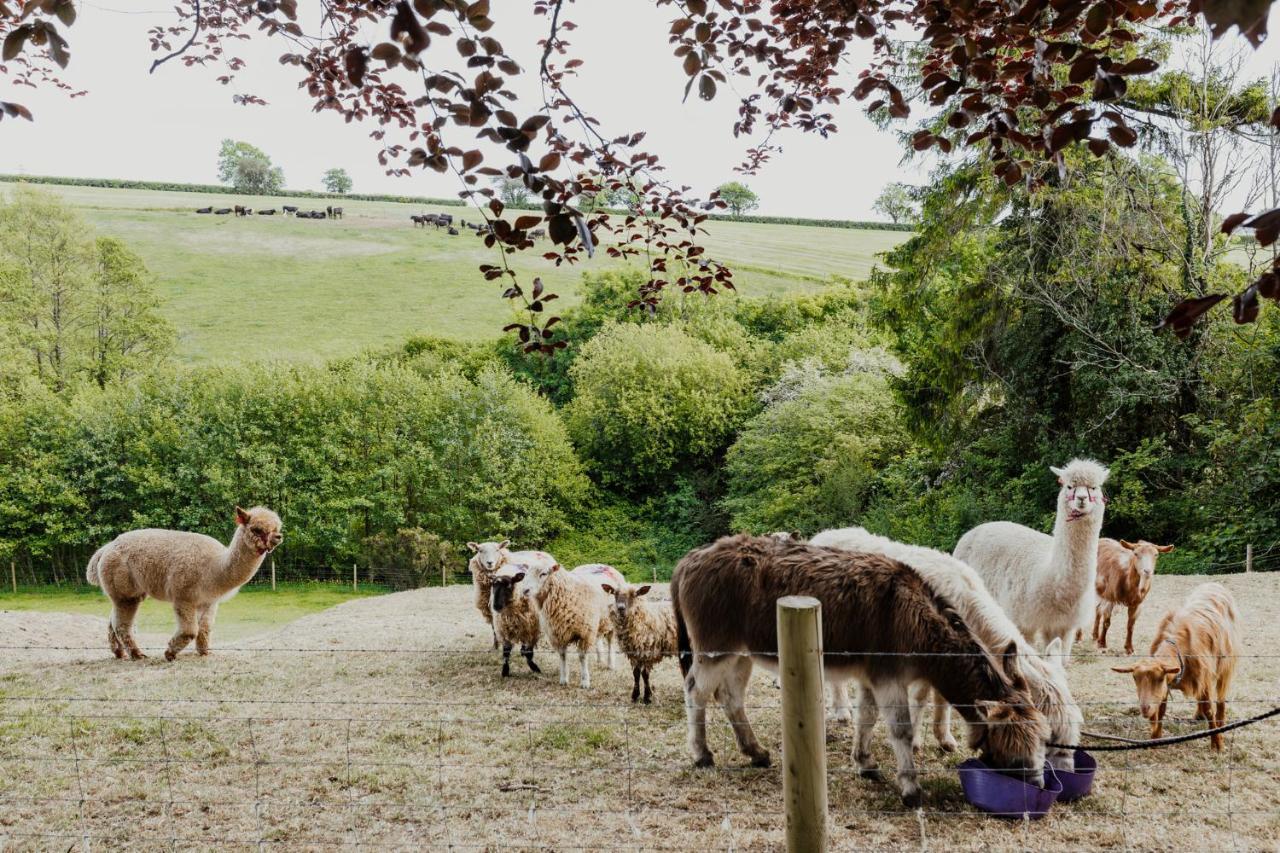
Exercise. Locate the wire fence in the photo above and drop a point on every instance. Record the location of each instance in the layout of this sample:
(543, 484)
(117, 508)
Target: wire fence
(364, 745)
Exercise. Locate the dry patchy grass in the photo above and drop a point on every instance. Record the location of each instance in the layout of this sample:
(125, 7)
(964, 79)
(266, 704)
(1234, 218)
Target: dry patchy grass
(384, 723)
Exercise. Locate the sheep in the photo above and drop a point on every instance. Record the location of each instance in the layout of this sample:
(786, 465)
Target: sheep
(487, 558)
(1194, 651)
(961, 586)
(646, 631)
(1045, 583)
(881, 624)
(515, 618)
(1125, 571)
(194, 572)
(572, 610)
(602, 573)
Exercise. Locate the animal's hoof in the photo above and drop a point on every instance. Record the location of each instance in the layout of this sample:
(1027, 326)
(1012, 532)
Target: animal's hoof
(948, 745)
(871, 774)
(917, 749)
(648, 700)
(204, 653)
(704, 761)
(506, 672)
(533, 667)
(137, 655)
(912, 800)
(169, 655)
(760, 759)
(119, 653)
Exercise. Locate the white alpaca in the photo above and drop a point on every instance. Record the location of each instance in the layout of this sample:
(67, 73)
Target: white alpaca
(1046, 583)
(961, 587)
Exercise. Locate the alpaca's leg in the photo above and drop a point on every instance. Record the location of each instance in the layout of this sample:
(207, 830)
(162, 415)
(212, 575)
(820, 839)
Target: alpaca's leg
(506, 659)
(635, 688)
(868, 712)
(1068, 638)
(117, 647)
(942, 723)
(648, 691)
(125, 611)
(564, 664)
(893, 698)
(841, 707)
(527, 651)
(187, 627)
(699, 687)
(207, 617)
(734, 699)
(1128, 631)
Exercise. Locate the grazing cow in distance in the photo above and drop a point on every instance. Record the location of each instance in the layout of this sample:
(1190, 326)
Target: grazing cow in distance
(289, 208)
(222, 211)
(243, 211)
(335, 212)
(204, 210)
(537, 233)
(444, 218)
(270, 211)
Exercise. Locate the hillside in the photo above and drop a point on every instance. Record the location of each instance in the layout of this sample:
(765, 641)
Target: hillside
(279, 288)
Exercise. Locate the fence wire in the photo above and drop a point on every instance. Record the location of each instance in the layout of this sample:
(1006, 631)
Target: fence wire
(439, 752)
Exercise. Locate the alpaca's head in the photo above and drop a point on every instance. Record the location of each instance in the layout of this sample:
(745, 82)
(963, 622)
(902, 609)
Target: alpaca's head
(261, 528)
(489, 555)
(1081, 495)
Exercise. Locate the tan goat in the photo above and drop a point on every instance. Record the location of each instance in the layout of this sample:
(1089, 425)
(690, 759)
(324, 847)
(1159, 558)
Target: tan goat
(1125, 570)
(1194, 651)
(192, 571)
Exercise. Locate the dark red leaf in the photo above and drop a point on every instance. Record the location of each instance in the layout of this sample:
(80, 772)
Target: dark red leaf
(1187, 312)
(1244, 307)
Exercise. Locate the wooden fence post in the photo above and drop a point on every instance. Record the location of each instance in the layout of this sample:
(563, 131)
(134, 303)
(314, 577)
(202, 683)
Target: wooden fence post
(273, 574)
(355, 582)
(804, 724)
(13, 576)
(1248, 557)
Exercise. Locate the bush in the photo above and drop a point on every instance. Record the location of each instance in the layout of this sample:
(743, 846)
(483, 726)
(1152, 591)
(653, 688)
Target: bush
(813, 458)
(342, 454)
(651, 400)
(412, 558)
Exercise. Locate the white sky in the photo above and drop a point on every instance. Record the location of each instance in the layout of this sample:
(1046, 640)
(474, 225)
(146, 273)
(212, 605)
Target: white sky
(167, 126)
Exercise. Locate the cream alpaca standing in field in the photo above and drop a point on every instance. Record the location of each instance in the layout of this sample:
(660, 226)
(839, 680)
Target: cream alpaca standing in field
(1045, 583)
(192, 571)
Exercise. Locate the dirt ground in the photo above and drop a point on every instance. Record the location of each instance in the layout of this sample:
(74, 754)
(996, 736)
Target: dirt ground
(384, 723)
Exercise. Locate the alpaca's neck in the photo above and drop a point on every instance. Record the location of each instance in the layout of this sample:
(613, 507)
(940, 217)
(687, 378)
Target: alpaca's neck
(1074, 553)
(240, 562)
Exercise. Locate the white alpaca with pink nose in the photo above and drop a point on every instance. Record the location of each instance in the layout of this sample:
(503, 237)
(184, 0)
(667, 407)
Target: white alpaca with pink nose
(1046, 583)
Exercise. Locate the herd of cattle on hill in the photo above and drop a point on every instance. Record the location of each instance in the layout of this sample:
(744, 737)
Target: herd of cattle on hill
(439, 220)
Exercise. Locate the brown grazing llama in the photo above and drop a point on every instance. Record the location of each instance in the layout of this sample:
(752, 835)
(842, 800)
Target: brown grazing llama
(1194, 651)
(881, 625)
(1125, 570)
(192, 571)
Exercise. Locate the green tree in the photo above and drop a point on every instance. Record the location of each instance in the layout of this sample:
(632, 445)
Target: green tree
(129, 335)
(897, 202)
(512, 191)
(740, 198)
(46, 258)
(337, 181)
(248, 169)
(650, 401)
(812, 458)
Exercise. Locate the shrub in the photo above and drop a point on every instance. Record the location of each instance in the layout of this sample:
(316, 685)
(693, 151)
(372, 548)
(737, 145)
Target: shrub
(812, 459)
(651, 400)
(411, 558)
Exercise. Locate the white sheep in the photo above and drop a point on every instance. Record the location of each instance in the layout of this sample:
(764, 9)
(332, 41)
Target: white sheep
(601, 574)
(573, 610)
(1046, 583)
(646, 631)
(486, 558)
(515, 618)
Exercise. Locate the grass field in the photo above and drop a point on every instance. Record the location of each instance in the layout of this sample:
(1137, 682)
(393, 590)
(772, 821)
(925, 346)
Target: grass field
(384, 724)
(257, 607)
(280, 288)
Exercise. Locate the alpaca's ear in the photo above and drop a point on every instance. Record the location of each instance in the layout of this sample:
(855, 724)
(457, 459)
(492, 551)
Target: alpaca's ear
(242, 517)
(1129, 545)
(1058, 472)
(643, 590)
(1164, 549)
(1125, 669)
(473, 546)
(608, 588)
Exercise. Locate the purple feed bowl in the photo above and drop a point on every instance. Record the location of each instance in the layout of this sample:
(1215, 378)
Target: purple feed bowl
(1005, 796)
(1080, 783)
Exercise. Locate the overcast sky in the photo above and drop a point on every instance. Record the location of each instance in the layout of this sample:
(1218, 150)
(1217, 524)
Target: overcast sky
(168, 125)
